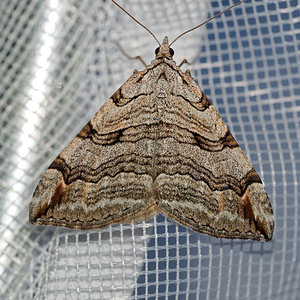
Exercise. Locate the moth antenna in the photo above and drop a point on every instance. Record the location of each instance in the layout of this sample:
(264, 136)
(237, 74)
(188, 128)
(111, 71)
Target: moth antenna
(220, 13)
(133, 18)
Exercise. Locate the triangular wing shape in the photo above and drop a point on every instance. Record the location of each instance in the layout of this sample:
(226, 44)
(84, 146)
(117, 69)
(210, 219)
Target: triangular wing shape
(156, 146)
(204, 180)
(104, 175)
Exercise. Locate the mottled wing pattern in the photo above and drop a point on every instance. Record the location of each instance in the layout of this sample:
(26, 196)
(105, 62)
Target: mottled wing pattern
(156, 146)
(105, 175)
(204, 180)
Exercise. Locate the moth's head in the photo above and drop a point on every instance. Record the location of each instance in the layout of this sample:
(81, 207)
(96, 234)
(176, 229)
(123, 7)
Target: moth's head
(164, 50)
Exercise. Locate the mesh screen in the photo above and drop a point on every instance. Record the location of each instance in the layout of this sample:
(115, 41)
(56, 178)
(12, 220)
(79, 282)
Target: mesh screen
(60, 62)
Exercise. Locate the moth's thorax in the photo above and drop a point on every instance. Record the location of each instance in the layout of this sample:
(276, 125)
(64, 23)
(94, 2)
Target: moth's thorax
(162, 86)
(163, 61)
(164, 77)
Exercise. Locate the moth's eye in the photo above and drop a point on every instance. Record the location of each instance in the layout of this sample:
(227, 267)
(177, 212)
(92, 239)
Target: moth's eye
(156, 51)
(171, 51)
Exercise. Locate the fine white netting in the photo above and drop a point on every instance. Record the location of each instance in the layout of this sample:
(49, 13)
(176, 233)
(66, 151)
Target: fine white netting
(60, 61)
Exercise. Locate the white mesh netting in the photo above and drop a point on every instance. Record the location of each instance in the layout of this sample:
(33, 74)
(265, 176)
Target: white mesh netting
(60, 62)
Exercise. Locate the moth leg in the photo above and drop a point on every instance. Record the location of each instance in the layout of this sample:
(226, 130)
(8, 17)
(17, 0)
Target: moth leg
(131, 57)
(185, 61)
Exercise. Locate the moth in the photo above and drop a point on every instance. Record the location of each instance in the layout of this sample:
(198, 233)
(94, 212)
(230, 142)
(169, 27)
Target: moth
(157, 146)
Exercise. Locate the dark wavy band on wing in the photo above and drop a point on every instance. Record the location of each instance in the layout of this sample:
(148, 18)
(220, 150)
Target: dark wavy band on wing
(127, 164)
(137, 133)
(200, 173)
